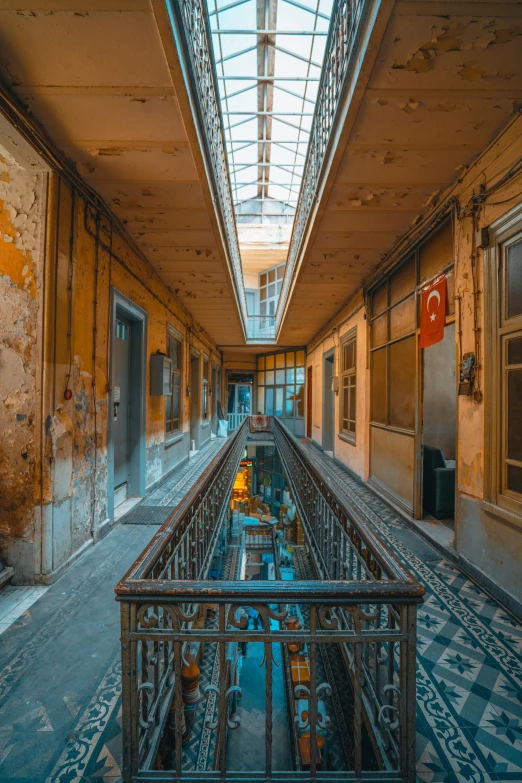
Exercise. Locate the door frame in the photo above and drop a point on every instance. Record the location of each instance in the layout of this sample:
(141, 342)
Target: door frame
(309, 400)
(137, 318)
(327, 355)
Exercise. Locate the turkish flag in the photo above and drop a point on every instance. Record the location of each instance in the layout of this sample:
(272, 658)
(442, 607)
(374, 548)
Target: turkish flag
(433, 312)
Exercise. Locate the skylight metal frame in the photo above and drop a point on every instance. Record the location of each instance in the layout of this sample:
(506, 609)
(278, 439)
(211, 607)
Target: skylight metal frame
(266, 83)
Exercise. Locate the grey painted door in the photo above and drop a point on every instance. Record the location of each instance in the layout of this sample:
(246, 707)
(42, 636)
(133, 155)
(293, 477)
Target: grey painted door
(328, 406)
(121, 399)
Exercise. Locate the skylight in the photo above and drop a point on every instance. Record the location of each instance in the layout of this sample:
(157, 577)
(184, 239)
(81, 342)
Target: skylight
(268, 85)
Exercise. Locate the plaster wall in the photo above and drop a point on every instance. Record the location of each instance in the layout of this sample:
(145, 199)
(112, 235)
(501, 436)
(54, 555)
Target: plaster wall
(22, 204)
(353, 455)
(56, 475)
(486, 538)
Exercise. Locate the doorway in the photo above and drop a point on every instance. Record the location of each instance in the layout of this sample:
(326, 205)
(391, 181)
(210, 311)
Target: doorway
(439, 428)
(121, 409)
(309, 376)
(194, 402)
(127, 404)
(328, 403)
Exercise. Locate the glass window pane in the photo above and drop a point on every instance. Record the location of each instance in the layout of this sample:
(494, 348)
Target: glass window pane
(349, 355)
(402, 282)
(402, 384)
(379, 330)
(437, 252)
(175, 402)
(299, 358)
(514, 279)
(261, 363)
(450, 293)
(168, 412)
(269, 401)
(299, 401)
(300, 375)
(278, 287)
(353, 416)
(380, 299)
(262, 279)
(280, 272)
(290, 376)
(262, 294)
(278, 401)
(403, 318)
(271, 290)
(261, 378)
(270, 362)
(344, 410)
(289, 400)
(271, 276)
(290, 359)
(378, 386)
(514, 415)
(280, 360)
(280, 376)
(514, 351)
(514, 478)
(205, 370)
(262, 309)
(261, 400)
(269, 378)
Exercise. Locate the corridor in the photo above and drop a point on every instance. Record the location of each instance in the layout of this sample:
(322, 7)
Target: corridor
(260, 391)
(61, 689)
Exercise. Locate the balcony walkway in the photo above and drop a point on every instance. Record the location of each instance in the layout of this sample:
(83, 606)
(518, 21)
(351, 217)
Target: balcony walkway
(469, 660)
(60, 671)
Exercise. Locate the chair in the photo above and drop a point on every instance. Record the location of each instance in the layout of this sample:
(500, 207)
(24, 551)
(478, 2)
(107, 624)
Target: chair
(438, 484)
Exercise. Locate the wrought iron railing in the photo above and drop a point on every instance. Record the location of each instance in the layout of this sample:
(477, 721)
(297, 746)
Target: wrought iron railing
(346, 24)
(235, 420)
(190, 25)
(365, 606)
(261, 327)
(344, 548)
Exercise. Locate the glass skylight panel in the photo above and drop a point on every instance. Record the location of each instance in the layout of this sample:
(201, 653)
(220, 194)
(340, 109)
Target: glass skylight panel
(268, 87)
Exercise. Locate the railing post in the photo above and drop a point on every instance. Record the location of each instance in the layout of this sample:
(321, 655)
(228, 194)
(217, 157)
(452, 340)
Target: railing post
(411, 694)
(128, 695)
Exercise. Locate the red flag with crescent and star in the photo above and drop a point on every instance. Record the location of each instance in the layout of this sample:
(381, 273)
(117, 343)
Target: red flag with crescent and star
(433, 312)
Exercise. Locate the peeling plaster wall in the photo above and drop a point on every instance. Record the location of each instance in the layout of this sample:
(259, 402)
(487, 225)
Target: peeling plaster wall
(54, 477)
(22, 196)
(489, 542)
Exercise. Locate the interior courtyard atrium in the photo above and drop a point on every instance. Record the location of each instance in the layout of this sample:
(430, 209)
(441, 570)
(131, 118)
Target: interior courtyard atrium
(261, 391)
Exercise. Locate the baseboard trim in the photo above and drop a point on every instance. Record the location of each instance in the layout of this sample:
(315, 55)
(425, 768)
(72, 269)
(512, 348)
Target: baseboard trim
(53, 576)
(6, 574)
(157, 484)
(473, 572)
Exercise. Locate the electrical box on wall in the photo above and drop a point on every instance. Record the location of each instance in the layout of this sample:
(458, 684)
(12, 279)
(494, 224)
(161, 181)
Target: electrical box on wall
(335, 384)
(160, 375)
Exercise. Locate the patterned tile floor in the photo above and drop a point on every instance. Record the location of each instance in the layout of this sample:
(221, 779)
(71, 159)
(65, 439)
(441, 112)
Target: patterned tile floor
(469, 662)
(60, 671)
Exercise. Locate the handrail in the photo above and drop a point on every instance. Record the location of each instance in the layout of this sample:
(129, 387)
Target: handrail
(344, 34)
(351, 519)
(144, 567)
(365, 604)
(191, 29)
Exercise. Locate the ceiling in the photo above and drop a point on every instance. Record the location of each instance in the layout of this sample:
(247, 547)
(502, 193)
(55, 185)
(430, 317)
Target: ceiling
(442, 80)
(103, 79)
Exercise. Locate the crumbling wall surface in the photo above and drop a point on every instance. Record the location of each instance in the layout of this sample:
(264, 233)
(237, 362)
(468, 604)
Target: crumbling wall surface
(21, 208)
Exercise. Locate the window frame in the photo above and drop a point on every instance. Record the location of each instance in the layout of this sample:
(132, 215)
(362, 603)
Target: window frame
(499, 501)
(175, 373)
(204, 390)
(348, 374)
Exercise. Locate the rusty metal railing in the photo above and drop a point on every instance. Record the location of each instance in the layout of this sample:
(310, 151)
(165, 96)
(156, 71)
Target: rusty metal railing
(365, 606)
